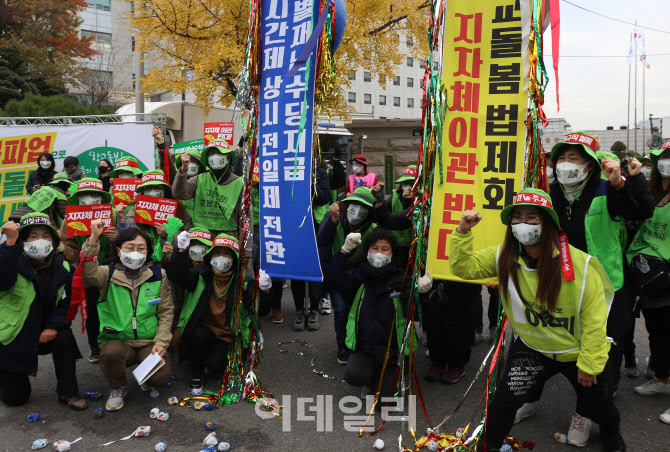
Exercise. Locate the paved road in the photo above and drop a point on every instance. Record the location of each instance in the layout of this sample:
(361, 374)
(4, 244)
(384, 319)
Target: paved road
(290, 375)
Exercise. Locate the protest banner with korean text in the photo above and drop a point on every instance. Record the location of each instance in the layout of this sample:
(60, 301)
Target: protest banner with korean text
(288, 242)
(218, 134)
(151, 210)
(124, 190)
(191, 145)
(484, 132)
(79, 218)
(21, 145)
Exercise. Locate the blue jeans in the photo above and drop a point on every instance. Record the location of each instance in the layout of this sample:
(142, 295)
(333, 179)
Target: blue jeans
(341, 314)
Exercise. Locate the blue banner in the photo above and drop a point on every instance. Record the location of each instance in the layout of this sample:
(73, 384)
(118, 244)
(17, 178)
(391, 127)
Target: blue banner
(288, 241)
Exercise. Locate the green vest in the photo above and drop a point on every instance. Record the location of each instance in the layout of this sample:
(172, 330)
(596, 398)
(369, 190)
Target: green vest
(352, 322)
(191, 300)
(561, 333)
(339, 241)
(602, 240)
(652, 237)
(16, 302)
(44, 198)
(405, 236)
(132, 320)
(256, 204)
(321, 211)
(189, 204)
(214, 203)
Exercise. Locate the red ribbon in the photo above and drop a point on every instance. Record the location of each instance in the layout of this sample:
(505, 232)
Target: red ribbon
(78, 297)
(166, 165)
(566, 261)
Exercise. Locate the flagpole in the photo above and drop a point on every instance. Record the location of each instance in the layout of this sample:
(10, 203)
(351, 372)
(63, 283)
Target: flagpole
(635, 82)
(643, 114)
(628, 119)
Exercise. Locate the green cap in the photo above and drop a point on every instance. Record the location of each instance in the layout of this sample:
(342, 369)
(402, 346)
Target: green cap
(363, 195)
(604, 154)
(39, 219)
(88, 184)
(227, 241)
(126, 164)
(60, 178)
(153, 178)
(221, 149)
(195, 155)
(530, 197)
(202, 235)
(656, 153)
(583, 139)
(409, 174)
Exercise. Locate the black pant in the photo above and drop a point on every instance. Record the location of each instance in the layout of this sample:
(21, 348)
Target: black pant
(277, 292)
(449, 318)
(524, 371)
(656, 320)
(298, 291)
(93, 321)
(205, 349)
(15, 388)
(363, 370)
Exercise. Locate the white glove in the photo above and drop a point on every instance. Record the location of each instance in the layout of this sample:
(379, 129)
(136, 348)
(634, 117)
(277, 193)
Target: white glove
(351, 242)
(183, 240)
(264, 280)
(425, 282)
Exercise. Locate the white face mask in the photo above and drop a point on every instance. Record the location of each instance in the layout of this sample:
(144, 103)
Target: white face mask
(45, 164)
(157, 192)
(527, 234)
(405, 187)
(571, 174)
(222, 264)
(87, 199)
(38, 249)
(192, 169)
(358, 169)
(646, 171)
(378, 259)
(356, 214)
(197, 252)
(218, 161)
(664, 167)
(550, 175)
(132, 260)
(125, 175)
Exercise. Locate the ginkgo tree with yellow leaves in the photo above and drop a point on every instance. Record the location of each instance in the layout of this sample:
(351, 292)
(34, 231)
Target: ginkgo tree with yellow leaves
(199, 45)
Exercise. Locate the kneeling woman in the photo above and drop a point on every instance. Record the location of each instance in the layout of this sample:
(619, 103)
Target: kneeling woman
(135, 309)
(206, 326)
(379, 309)
(556, 297)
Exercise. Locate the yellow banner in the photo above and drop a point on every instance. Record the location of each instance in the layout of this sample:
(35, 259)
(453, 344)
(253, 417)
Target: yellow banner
(483, 134)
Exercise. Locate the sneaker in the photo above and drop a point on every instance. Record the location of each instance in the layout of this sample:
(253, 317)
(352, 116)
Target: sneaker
(94, 355)
(428, 353)
(665, 417)
(649, 372)
(115, 400)
(343, 355)
(526, 410)
(479, 337)
(653, 387)
(433, 373)
(75, 402)
(195, 385)
(631, 372)
(285, 286)
(145, 387)
(313, 321)
(452, 375)
(277, 316)
(366, 391)
(613, 442)
(299, 324)
(580, 430)
(325, 307)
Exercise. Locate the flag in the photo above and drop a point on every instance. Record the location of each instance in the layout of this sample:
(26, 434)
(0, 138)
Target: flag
(629, 57)
(639, 38)
(643, 58)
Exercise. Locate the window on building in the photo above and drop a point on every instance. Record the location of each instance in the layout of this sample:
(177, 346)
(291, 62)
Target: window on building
(410, 82)
(99, 39)
(396, 101)
(410, 62)
(102, 5)
(366, 76)
(410, 102)
(367, 98)
(382, 100)
(396, 81)
(352, 75)
(352, 98)
(410, 43)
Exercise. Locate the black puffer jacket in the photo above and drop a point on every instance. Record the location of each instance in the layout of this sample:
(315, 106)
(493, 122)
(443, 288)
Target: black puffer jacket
(41, 176)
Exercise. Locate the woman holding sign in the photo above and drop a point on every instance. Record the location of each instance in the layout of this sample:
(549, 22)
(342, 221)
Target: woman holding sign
(556, 297)
(135, 309)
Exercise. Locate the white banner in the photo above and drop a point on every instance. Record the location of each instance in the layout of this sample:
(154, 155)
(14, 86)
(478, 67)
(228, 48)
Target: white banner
(21, 145)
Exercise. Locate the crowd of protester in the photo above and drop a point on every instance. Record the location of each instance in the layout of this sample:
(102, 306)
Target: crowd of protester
(606, 218)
